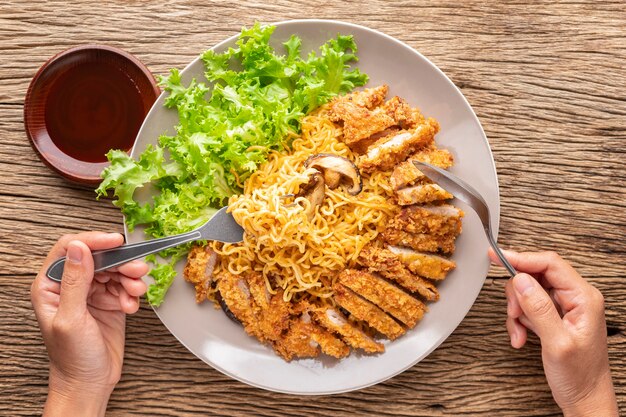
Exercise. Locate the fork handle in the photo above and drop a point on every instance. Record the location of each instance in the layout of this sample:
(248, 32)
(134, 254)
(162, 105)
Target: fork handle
(109, 258)
(498, 252)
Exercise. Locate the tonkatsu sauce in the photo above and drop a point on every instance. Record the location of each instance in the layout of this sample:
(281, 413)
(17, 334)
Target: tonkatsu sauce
(92, 108)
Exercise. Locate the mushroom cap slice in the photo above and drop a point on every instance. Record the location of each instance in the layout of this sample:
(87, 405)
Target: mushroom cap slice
(337, 170)
(313, 191)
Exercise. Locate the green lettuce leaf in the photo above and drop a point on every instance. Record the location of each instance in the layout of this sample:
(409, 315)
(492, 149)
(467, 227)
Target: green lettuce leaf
(251, 101)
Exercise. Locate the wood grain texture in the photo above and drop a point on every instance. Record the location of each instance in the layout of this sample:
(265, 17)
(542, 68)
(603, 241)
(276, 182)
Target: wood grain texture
(548, 83)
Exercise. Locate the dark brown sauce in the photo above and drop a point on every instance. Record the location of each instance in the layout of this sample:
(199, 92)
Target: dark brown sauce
(92, 108)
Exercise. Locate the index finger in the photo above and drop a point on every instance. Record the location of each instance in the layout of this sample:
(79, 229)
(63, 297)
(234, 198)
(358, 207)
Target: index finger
(555, 270)
(94, 240)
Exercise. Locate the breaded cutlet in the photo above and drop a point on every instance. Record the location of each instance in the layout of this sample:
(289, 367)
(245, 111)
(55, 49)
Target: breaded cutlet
(421, 242)
(304, 338)
(201, 261)
(296, 342)
(274, 312)
(407, 174)
(433, 155)
(402, 114)
(363, 310)
(424, 264)
(391, 150)
(389, 265)
(336, 322)
(406, 308)
(359, 123)
(421, 194)
(368, 97)
(443, 219)
(236, 295)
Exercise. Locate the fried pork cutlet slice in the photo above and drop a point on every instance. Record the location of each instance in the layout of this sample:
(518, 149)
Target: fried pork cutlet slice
(420, 242)
(425, 228)
(359, 123)
(409, 310)
(406, 174)
(297, 342)
(259, 292)
(400, 111)
(389, 265)
(421, 194)
(432, 155)
(236, 295)
(368, 98)
(393, 149)
(363, 310)
(274, 312)
(275, 319)
(199, 270)
(336, 322)
(361, 146)
(441, 219)
(328, 342)
(424, 264)
(305, 339)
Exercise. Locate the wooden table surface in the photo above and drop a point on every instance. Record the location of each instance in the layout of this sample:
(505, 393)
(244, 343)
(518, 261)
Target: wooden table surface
(548, 83)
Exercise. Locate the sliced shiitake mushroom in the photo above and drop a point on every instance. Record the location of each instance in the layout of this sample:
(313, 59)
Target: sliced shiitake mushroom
(337, 170)
(329, 170)
(313, 191)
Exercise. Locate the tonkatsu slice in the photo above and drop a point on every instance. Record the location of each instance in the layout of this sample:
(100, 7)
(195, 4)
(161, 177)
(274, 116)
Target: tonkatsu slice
(421, 242)
(201, 261)
(421, 194)
(389, 265)
(407, 174)
(426, 265)
(406, 308)
(306, 339)
(442, 219)
(334, 321)
(234, 294)
(391, 150)
(364, 310)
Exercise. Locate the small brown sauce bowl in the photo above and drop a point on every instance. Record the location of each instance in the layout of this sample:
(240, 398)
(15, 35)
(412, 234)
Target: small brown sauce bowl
(83, 102)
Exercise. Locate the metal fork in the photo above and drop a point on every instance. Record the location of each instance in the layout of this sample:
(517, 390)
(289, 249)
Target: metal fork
(468, 194)
(221, 227)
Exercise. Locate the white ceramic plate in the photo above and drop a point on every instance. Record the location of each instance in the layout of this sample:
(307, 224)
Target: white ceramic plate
(215, 339)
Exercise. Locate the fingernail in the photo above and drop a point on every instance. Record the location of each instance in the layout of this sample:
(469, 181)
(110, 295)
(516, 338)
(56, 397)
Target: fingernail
(523, 283)
(508, 308)
(74, 253)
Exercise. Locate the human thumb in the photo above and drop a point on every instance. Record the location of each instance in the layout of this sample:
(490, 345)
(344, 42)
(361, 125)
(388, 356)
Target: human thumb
(537, 306)
(77, 277)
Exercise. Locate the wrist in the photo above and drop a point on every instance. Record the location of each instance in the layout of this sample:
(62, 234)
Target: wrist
(74, 398)
(600, 401)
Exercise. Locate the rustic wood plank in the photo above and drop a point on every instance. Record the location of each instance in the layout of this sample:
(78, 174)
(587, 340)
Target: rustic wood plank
(547, 82)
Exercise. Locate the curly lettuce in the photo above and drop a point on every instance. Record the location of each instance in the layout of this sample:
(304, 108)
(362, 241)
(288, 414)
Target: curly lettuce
(250, 104)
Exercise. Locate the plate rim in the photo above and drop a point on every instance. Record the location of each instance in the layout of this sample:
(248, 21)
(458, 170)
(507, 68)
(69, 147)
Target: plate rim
(495, 225)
